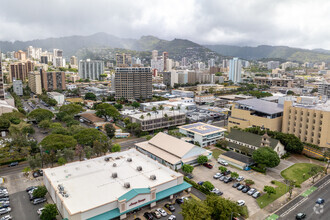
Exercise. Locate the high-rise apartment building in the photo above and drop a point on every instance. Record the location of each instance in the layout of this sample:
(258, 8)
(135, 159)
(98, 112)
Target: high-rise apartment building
(57, 53)
(184, 61)
(165, 57)
(20, 70)
(2, 89)
(211, 63)
(324, 90)
(35, 82)
(309, 121)
(34, 53)
(18, 87)
(20, 55)
(273, 65)
(73, 61)
(235, 68)
(90, 69)
(133, 83)
(123, 60)
(52, 80)
(154, 55)
(44, 59)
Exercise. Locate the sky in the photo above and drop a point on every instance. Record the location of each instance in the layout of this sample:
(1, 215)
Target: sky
(295, 23)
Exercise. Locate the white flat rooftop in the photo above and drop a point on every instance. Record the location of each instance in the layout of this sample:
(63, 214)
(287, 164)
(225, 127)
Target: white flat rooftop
(90, 183)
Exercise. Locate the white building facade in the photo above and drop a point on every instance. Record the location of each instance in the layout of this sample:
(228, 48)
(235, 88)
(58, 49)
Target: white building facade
(235, 68)
(90, 69)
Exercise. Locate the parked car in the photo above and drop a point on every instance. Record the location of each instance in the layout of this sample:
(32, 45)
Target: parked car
(6, 217)
(200, 183)
(320, 201)
(172, 217)
(156, 214)
(222, 178)
(235, 185)
(38, 201)
(13, 164)
(162, 211)
(5, 210)
(217, 175)
(148, 215)
(300, 216)
(170, 207)
(222, 162)
(39, 211)
(227, 172)
(4, 205)
(228, 179)
(251, 191)
(4, 199)
(189, 176)
(217, 192)
(240, 187)
(240, 202)
(208, 165)
(240, 178)
(30, 188)
(246, 189)
(256, 194)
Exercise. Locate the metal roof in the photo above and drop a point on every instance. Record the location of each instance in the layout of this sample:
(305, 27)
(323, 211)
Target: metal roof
(262, 106)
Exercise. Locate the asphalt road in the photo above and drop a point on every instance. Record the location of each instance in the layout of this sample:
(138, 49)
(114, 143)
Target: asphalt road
(307, 204)
(220, 123)
(5, 170)
(130, 143)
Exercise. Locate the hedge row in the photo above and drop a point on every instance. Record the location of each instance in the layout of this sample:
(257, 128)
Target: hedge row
(10, 161)
(258, 169)
(196, 186)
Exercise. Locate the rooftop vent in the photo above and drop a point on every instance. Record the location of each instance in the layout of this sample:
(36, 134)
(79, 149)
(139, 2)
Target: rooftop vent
(153, 177)
(127, 185)
(60, 187)
(129, 159)
(114, 164)
(106, 159)
(114, 175)
(139, 168)
(117, 158)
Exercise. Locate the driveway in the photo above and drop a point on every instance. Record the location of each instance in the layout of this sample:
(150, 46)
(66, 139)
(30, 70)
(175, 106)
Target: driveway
(275, 172)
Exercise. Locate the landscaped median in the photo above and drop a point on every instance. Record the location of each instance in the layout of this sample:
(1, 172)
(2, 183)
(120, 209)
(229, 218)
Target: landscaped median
(265, 200)
(300, 172)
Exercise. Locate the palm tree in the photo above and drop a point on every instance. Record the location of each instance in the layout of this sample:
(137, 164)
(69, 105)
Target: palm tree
(161, 108)
(142, 117)
(149, 115)
(172, 109)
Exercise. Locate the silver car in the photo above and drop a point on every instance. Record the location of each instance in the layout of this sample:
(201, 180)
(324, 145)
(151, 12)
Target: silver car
(5, 210)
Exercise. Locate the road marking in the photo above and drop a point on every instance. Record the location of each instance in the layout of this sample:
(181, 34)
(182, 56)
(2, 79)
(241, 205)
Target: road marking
(309, 191)
(318, 209)
(272, 217)
(294, 207)
(313, 151)
(324, 184)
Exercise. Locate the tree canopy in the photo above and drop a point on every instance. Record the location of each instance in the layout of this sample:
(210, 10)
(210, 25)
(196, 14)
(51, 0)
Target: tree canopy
(40, 192)
(90, 96)
(115, 148)
(107, 110)
(88, 135)
(49, 213)
(187, 168)
(41, 114)
(202, 159)
(71, 109)
(110, 130)
(58, 142)
(266, 156)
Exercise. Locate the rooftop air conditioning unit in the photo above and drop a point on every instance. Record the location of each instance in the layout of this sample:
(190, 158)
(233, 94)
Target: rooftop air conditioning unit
(114, 175)
(153, 177)
(127, 185)
(129, 159)
(139, 168)
(114, 164)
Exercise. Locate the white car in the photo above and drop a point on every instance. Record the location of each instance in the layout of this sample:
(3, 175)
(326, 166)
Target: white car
(6, 217)
(39, 211)
(240, 178)
(217, 176)
(222, 162)
(162, 211)
(5, 210)
(172, 217)
(240, 202)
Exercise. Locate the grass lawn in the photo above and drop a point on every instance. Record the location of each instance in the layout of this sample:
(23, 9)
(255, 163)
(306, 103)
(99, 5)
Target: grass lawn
(296, 172)
(264, 200)
(217, 152)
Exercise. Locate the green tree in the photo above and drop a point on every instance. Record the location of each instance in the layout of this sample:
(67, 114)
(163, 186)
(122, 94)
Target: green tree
(88, 152)
(195, 210)
(58, 142)
(234, 175)
(148, 137)
(49, 212)
(40, 115)
(44, 124)
(79, 151)
(90, 96)
(266, 156)
(223, 169)
(249, 182)
(40, 192)
(110, 130)
(314, 172)
(107, 110)
(208, 185)
(187, 168)
(61, 161)
(115, 148)
(118, 106)
(136, 104)
(4, 124)
(71, 109)
(68, 154)
(222, 143)
(202, 159)
(222, 208)
(88, 135)
(269, 190)
(34, 161)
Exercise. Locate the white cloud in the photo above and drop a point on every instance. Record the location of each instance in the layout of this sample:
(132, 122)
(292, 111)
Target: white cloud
(297, 23)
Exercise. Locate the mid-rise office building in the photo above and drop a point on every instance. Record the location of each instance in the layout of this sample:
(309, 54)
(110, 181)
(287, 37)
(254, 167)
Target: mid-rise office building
(133, 83)
(90, 69)
(20, 70)
(20, 55)
(2, 89)
(309, 120)
(73, 61)
(35, 82)
(123, 60)
(18, 87)
(235, 68)
(52, 80)
(324, 90)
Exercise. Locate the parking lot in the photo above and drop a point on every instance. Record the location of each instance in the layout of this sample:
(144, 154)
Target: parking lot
(202, 173)
(21, 207)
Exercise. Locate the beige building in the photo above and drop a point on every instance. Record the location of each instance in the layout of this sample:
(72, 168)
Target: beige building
(256, 113)
(204, 98)
(35, 82)
(310, 122)
(273, 81)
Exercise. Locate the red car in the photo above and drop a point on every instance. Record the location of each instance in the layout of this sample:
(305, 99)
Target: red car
(208, 165)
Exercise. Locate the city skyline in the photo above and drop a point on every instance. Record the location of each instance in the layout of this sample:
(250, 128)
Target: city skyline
(240, 23)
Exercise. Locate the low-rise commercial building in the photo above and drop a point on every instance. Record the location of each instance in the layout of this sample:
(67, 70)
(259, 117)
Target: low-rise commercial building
(256, 113)
(108, 187)
(202, 99)
(203, 134)
(181, 93)
(160, 119)
(235, 159)
(171, 151)
(60, 98)
(280, 82)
